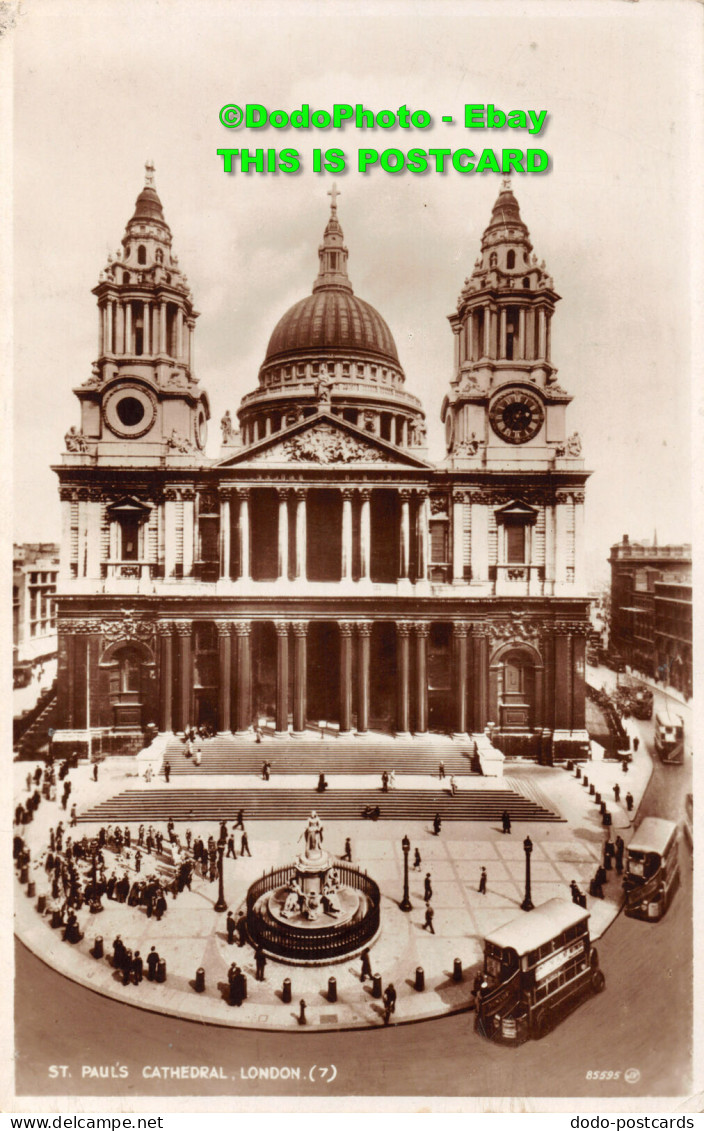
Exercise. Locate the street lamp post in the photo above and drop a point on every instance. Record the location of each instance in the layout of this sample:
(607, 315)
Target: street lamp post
(527, 904)
(95, 903)
(221, 905)
(405, 902)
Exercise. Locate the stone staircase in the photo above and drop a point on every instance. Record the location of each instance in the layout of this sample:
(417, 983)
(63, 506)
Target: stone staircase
(265, 804)
(34, 737)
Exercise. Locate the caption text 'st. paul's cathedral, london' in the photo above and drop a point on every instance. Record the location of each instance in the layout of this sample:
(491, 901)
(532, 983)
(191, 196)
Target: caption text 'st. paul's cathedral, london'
(321, 568)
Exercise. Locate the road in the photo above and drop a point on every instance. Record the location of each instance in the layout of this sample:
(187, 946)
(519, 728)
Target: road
(648, 969)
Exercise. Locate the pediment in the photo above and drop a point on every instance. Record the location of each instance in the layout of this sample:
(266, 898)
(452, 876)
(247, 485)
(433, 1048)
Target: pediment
(323, 441)
(128, 507)
(517, 510)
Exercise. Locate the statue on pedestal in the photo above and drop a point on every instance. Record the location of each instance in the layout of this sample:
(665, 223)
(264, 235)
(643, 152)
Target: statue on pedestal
(313, 835)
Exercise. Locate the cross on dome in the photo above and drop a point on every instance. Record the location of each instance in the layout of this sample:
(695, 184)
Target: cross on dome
(149, 175)
(333, 193)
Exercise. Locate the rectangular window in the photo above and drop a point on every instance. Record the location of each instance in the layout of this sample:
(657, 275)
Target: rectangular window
(438, 542)
(515, 543)
(130, 540)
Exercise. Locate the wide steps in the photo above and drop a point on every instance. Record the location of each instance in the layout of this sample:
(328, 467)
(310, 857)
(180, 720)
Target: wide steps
(296, 805)
(334, 756)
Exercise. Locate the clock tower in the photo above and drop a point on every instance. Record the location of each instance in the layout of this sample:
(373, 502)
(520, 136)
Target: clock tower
(505, 408)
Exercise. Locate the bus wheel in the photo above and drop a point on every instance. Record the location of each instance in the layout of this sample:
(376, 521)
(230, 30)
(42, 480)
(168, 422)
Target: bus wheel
(598, 980)
(542, 1024)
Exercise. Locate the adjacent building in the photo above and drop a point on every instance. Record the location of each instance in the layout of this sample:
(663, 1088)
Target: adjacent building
(35, 571)
(651, 609)
(321, 567)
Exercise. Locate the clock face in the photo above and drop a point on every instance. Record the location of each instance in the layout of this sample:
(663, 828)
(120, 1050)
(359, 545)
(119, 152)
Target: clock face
(517, 416)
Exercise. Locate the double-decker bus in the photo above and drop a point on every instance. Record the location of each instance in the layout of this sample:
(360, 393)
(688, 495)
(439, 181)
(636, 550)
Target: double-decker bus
(536, 970)
(652, 869)
(669, 737)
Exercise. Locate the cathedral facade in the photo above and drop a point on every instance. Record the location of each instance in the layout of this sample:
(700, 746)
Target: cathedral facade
(321, 568)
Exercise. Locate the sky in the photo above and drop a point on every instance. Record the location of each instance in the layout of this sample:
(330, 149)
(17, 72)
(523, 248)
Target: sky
(101, 87)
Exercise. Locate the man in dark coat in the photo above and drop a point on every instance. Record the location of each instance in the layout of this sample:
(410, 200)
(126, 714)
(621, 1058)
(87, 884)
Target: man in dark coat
(389, 1002)
(429, 916)
(167, 770)
(260, 961)
(348, 849)
(137, 968)
(428, 893)
(505, 821)
(482, 882)
(241, 931)
(437, 824)
(152, 964)
(244, 846)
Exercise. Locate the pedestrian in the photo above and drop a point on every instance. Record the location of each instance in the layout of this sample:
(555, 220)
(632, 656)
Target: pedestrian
(260, 962)
(95, 771)
(482, 882)
(629, 802)
(152, 964)
(239, 823)
(624, 765)
(429, 916)
(366, 965)
(441, 770)
(505, 821)
(575, 892)
(392, 779)
(118, 952)
(140, 836)
(301, 1012)
(617, 792)
(428, 892)
(636, 744)
(258, 735)
(384, 783)
(322, 784)
(197, 758)
(241, 930)
(244, 846)
(417, 860)
(348, 849)
(138, 861)
(389, 1002)
(137, 968)
(619, 854)
(231, 846)
(437, 824)
(453, 785)
(167, 770)
(74, 820)
(231, 927)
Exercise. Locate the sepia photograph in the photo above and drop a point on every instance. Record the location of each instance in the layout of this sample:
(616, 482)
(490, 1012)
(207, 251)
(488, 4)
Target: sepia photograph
(350, 492)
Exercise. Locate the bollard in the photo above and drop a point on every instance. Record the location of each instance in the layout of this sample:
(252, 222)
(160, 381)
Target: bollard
(602, 806)
(420, 979)
(457, 971)
(592, 789)
(161, 970)
(97, 950)
(24, 874)
(569, 767)
(200, 980)
(585, 780)
(376, 985)
(286, 992)
(41, 904)
(606, 819)
(577, 772)
(31, 889)
(597, 797)
(332, 989)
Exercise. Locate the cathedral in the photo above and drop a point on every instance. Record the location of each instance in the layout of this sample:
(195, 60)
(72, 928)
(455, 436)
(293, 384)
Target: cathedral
(320, 569)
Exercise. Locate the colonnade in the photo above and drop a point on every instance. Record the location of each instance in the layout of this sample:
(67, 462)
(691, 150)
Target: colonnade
(118, 324)
(484, 333)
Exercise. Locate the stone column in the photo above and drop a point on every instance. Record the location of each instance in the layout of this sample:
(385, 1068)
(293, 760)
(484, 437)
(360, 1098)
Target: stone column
(563, 680)
(457, 537)
(421, 631)
(301, 548)
(146, 335)
(225, 535)
(166, 674)
(169, 533)
(129, 348)
(481, 705)
(120, 329)
(403, 631)
(189, 499)
(562, 504)
(365, 534)
(179, 333)
(579, 582)
(404, 432)
(162, 328)
(364, 631)
(282, 493)
(347, 534)
(405, 554)
(459, 633)
(300, 675)
(423, 535)
(110, 330)
(101, 330)
(345, 676)
(480, 542)
(65, 558)
(245, 567)
(184, 629)
(520, 351)
(456, 331)
(502, 333)
(281, 627)
(224, 674)
(542, 342)
(243, 630)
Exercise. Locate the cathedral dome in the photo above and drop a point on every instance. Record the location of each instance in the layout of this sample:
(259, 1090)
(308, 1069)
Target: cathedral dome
(335, 320)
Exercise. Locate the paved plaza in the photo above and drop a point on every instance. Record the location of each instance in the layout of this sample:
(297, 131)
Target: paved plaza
(192, 935)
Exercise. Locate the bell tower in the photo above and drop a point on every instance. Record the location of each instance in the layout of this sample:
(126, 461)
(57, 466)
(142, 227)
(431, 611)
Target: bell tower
(143, 397)
(505, 408)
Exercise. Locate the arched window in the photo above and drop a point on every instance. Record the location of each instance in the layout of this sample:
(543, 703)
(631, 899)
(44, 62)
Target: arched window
(141, 254)
(511, 259)
(159, 255)
(526, 284)
(125, 277)
(493, 259)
